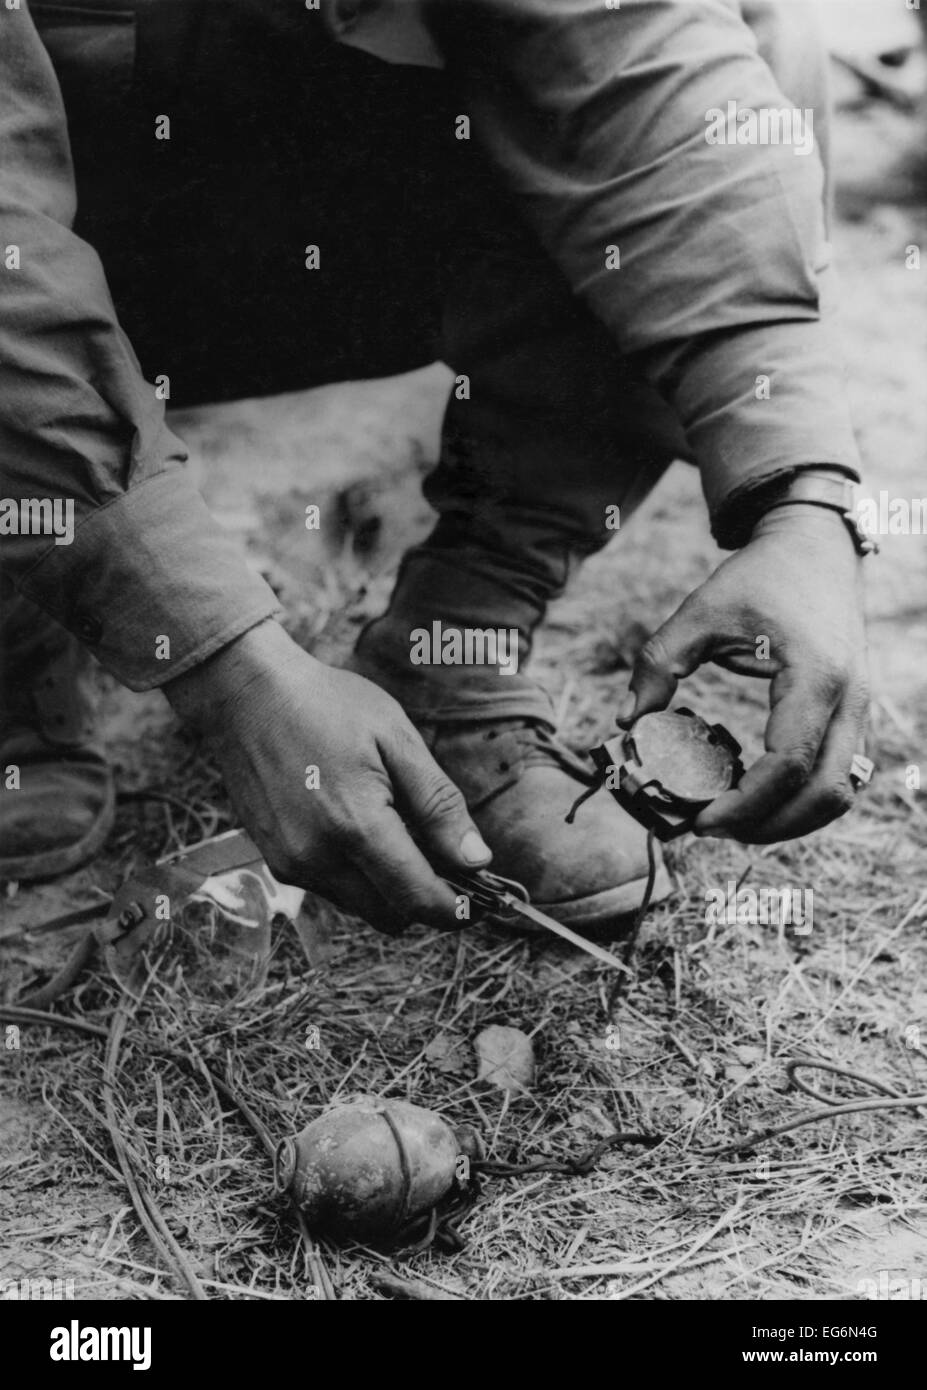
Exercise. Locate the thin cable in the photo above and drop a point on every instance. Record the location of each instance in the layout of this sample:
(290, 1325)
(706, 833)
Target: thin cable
(622, 984)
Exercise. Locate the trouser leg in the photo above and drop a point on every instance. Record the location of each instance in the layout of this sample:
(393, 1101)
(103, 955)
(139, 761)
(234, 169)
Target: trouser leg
(279, 140)
(56, 790)
(548, 431)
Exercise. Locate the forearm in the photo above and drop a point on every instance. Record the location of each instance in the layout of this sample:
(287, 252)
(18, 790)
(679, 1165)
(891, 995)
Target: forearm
(146, 579)
(707, 262)
(198, 695)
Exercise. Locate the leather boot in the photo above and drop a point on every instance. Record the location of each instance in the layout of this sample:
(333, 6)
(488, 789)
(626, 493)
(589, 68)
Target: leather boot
(57, 800)
(520, 781)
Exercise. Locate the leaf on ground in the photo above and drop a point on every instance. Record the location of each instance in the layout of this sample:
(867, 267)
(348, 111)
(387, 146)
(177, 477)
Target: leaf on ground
(736, 1073)
(314, 930)
(506, 1058)
(447, 1052)
(691, 1109)
(592, 1121)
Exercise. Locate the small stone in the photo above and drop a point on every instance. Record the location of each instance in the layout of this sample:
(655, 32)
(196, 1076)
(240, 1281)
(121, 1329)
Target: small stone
(506, 1058)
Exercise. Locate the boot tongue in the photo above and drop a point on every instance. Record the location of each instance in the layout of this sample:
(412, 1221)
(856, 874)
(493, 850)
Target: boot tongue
(546, 747)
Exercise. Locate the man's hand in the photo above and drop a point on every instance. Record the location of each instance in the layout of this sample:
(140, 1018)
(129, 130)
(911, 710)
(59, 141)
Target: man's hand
(797, 583)
(274, 713)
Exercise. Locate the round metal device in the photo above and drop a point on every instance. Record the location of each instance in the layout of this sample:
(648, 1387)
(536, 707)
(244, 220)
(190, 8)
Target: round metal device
(667, 767)
(691, 761)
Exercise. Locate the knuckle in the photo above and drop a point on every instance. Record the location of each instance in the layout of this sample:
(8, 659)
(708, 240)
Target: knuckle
(403, 733)
(836, 801)
(699, 610)
(440, 800)
(412, 904)
(348, 834)
(861, 701)
(652, 655)
(797, 764)
(831, 680)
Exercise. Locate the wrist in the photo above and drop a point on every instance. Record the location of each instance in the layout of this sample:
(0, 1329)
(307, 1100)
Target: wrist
(198, 694)
(744, 510)
(809, 522)
(819, 490)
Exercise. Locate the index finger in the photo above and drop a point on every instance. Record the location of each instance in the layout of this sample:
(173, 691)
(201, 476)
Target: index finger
(801, 711)
(393, 863)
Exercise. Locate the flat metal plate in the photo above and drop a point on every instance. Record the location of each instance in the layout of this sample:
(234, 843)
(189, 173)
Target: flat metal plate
(681, 753)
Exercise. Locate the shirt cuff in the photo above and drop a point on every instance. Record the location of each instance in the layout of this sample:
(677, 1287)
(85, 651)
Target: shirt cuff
(151, 584)
(758, 404)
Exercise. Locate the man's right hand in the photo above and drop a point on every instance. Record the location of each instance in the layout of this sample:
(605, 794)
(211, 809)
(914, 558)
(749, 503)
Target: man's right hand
(273, 714)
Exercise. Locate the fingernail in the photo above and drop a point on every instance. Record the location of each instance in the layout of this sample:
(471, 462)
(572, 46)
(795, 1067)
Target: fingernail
(626, 709)
(473, 849)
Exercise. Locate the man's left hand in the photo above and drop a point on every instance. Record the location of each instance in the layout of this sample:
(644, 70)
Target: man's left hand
(796, 584)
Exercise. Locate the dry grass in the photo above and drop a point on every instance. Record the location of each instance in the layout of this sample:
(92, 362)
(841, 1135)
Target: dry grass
(703, 1035)
(704, 1032)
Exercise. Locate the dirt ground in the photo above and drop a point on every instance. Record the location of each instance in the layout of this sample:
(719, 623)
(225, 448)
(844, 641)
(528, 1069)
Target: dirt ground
(715, 1010)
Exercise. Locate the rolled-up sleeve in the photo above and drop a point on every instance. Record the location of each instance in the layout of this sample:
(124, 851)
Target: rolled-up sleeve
(79, 424)
(708, 262)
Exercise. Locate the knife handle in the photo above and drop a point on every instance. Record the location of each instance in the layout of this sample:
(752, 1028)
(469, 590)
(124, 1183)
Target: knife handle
(489, 891)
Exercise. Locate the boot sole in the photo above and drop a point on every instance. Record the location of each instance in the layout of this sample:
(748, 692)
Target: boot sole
(607, 912)
(31, 868)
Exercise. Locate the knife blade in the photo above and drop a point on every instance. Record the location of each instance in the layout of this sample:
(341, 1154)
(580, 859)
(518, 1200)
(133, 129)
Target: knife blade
(504, 897)
(567, 934)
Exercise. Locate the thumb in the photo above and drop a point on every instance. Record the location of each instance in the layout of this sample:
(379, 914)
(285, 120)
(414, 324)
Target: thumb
(673, 651)
(434, 808)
